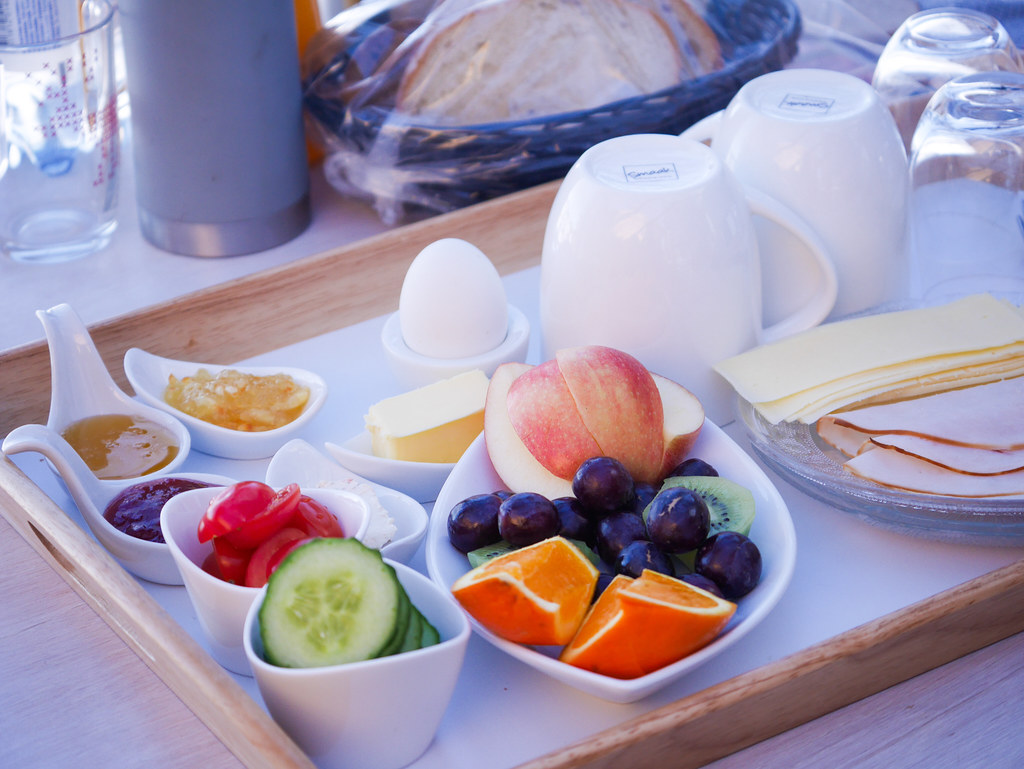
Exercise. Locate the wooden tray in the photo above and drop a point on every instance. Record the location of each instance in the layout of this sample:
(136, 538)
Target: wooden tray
(230, 322)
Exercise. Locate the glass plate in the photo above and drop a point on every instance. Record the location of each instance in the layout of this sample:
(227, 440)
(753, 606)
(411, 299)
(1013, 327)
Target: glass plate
(796, 453)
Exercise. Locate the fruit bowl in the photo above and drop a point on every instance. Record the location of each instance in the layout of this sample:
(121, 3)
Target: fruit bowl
(772, 530)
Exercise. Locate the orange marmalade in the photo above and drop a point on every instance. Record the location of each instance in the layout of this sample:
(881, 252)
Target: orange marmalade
(238, 401)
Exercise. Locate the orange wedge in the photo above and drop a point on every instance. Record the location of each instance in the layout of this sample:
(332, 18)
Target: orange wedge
(640, 625)
(537, 594)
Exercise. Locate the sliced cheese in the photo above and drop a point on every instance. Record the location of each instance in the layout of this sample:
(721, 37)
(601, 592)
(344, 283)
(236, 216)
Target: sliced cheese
(808, 407)
(844, 361)
(895, 469)
(435, 423)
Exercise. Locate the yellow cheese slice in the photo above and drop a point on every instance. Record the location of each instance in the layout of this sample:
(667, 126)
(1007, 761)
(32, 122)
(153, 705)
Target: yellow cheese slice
(435, 423)
(871, 350)
(808, 407)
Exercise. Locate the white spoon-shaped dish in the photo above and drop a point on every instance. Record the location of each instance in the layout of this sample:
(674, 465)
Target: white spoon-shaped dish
(149, 560)
(149, 374)
(397, 530)
(420, 480)
(81, 386)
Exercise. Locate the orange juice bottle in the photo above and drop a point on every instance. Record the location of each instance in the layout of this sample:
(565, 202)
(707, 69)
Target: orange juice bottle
(307, 24)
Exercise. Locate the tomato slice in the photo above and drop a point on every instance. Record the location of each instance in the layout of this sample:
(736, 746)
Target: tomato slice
(233, 506)
(282, 553)
(258, 528)
(259, 569)
(316, 520)
(231, 561)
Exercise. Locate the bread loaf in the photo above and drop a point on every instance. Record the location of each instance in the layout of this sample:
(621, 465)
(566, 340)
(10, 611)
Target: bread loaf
(517, 59)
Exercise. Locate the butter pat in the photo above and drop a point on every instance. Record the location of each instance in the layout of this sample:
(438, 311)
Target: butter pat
(435, 423)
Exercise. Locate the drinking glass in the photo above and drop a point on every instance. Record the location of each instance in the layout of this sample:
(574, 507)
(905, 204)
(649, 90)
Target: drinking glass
(933, 47)
(966, 215)
(58, 192)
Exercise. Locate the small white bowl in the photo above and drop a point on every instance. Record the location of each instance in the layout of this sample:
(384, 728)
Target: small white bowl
(406, 519)
(420, 480)
(148, 375)
(414, 370)
(377, 714)
(221, 606)
(151, 561)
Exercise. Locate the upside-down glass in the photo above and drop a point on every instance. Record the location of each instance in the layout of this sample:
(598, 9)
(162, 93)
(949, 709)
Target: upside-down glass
(933, 47)
(967, 188)
(58, 192)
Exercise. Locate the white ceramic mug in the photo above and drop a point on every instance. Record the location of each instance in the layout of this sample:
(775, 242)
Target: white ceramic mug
(650, 248)
(823, 144)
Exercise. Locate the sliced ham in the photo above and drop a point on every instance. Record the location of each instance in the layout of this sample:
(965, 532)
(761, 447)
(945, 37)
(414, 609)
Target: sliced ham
(963, 459)
(895, 469)
(987, 416)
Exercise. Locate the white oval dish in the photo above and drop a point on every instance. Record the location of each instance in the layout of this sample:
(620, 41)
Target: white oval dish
(148, 560)
(377, 714)
(300, 462)
(772, 532)
(420, 480)
(414, 370)
(221, 606)
(148, 375)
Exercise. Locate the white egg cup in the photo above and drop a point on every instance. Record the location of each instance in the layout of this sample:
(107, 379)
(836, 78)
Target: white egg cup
(414, 370)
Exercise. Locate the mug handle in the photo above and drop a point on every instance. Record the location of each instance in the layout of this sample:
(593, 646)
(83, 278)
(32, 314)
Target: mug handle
(823, 300)
(704, 130)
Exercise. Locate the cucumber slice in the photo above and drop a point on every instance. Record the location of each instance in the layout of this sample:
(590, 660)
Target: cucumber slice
(331, 601)
(413, 631)
(401, 627)
(429, 636)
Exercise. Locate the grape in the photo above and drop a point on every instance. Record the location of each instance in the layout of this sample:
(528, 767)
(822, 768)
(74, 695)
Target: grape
(640, 555)
(732, 561)
(617, 530)
(693, 466)
(473, 522)
(526, 518)
(678, 520)
(703, 583)
(603, 485)
(572, 523)
(503, 494)
(644, 492)
(604, 579)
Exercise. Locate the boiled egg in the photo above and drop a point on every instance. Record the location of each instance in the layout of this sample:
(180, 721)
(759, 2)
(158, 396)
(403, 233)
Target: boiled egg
(453, 303)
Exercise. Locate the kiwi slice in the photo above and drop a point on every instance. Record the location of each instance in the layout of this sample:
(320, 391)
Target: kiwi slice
(487, 552)
(730, 504)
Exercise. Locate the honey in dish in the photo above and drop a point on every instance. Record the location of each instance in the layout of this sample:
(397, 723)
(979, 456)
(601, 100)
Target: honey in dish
(238, 401)
(117, 446)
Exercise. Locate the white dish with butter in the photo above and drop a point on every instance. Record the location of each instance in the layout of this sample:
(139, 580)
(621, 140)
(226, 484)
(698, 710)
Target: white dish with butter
(420, 480)
(773, 532)
(405, 522)
(148, 375)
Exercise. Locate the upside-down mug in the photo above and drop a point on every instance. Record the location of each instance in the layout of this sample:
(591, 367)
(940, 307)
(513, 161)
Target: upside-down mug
(650, 248)
(823, 144)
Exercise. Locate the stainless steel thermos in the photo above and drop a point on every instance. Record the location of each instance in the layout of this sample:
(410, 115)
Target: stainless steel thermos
(216, 124)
